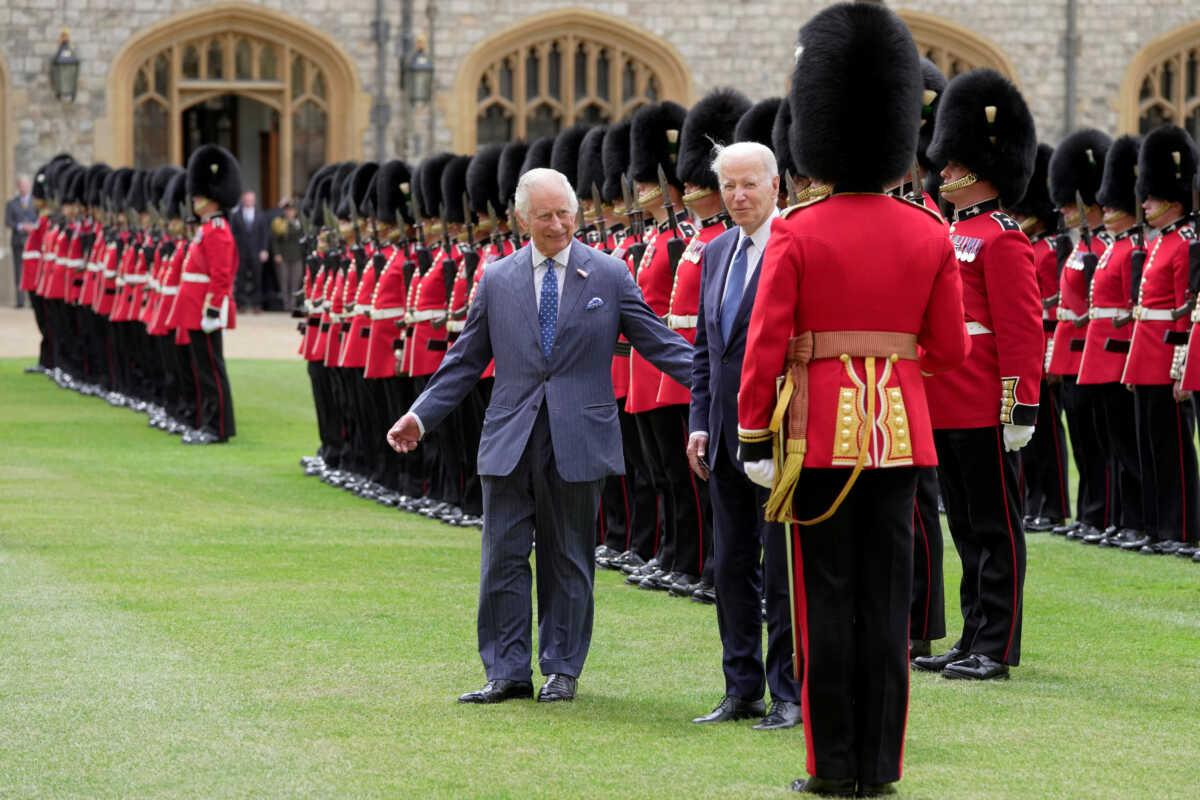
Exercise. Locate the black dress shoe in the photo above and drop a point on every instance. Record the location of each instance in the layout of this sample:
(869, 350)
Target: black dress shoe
(604, 555)
(658, 581)
(1196, 557)
(684, 586)
(783, 714)
(1165, 547)
(1098, 536)
(627, 559)
(976, 667)
(875, 789)
(938, 663)
(919, 648)
(705, 593)
(1187, 551)
(733, 708)
(1137, 544)
(1041, 524)
(637, 573)
(826, 787)
(1081, 531)
(1064, 529)
(558, 686)
(498, 691)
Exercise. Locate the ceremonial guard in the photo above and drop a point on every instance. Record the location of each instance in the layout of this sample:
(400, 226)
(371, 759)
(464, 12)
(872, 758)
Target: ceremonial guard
(1076, 169)
(1107, 344)
(204, 307)
(1044, 459)
(984, 411)
(1166, 419)
(850, 426)
(31, 263)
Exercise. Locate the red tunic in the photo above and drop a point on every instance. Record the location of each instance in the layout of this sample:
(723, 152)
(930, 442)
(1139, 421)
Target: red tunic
(54, 273)
(333, 333)
(209, 272)
(618, 242)
(410, 322)
(157, 324)
(106, 289)
(1110, 298)
(1067, 349)
(387, 316)
(354, 343)
(654, 279)
(1000, 380)
(131, 280)
(821, 273)
(46, 262)
(429, 330)
(315, 304)
(93, 264)
(1163, 288)
(685, 304)
(31, 257)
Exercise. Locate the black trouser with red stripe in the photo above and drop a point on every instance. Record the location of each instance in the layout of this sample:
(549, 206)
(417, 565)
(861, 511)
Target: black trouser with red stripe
(405, 474)
(328, 430)
(1044, 460)
(214, 407)
(1089, 452)
(189, 387)
(1117, 421)
(983, 508)
(687, 541)
(853, 583)
(927, 614)
(45, 349)
(1165, 433)
(629, 504)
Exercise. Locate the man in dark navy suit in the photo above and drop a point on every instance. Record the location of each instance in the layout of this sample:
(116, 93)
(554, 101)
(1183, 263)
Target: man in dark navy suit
(748, 552)
(549, 314)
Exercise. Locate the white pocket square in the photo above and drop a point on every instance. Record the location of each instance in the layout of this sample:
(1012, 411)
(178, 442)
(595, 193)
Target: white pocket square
(595, 302)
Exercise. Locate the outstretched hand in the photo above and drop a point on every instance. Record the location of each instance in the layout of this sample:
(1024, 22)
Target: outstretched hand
(405, 434)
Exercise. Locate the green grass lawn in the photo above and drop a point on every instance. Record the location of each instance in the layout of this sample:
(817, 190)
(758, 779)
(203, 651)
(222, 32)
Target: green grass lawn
(208, 622)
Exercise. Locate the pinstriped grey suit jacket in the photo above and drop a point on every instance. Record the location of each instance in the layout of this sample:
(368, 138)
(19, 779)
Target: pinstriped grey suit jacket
(575, 382)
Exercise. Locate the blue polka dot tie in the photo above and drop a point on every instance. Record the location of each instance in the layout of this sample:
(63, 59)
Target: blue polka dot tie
(548, 307)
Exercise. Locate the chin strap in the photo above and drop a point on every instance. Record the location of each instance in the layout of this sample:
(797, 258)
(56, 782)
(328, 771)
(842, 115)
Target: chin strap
(966, 180)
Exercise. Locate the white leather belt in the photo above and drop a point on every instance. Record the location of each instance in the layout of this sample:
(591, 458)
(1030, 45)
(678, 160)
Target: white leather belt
(195, 277)
(363, 310)
(677, 321)
(1067, 315)
(977, 328)
(135, 279)
(388, 313)
(155, 285)
(1153, 314)
(110, 273)
(1106, 313)
(335, 318)
(170, 291)
(94, 267)
(429, 315)
(456, 325)
(73, 263)
(31, 254)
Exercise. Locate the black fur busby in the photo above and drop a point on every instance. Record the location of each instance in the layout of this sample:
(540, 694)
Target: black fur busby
(106, 189)
(781, 141)
(984, 124)
(564, 156)
(454, 187)
(1078, 166)
(174, 197)
(159, 178)
(934, 85)
(1167, 165)
(430, 178)
(537, 156)
(756, 124)
(323, 198)
(355, 189)
(615, 156)
(590, 165)
(393, 192)
(1120, 175)
(136, 197)
(308, 206)
(654, 142)
(483, 180)
(855, 97)
(55, 171)
(62, 181)
(213, 172)
(339, 187)
(118, 188)
(96, 175)
(75, 184)
(509, 171)
(1036, 201)
(710, 122)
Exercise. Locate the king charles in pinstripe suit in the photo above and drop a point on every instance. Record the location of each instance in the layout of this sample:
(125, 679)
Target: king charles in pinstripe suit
(550, 434)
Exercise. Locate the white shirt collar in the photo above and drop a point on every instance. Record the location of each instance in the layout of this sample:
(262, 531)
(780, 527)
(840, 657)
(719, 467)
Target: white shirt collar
(561, 258)
(761, 234)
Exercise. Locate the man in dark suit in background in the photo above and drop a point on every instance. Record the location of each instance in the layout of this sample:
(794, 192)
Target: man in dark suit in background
(21, 218)
(749, 180)
(550, 315)
(250, 231)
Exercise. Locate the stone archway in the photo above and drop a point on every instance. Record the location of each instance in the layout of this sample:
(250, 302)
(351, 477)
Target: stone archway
(199, 56)
(1162, 83)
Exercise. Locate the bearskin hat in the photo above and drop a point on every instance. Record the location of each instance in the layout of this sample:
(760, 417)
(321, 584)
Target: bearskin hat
(355, 188)
(454, 187)
(756, 124)
(96, 174)
(590, 166)
(509, 171)
(213, 172)
(483, 180)
(136, 197)
(174, 197)
(1167, 165)
(781, 140)
(75, 184)
(116, 190)
(615, 156)
(984, 124)
(157, 186)
(564, 156)
(393, 192)
(339, 187)
(1120, 175)
(934, 83)
(710, 122)
(54, 172)
(1036, 201)
(430, 179)
(308, 202)
(855, 97)
(537, 156)
(323, 198)
(1078, 166)
(654, 142)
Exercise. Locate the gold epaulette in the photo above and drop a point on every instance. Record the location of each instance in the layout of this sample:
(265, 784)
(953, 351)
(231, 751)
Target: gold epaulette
(810, 196)
(921, 206)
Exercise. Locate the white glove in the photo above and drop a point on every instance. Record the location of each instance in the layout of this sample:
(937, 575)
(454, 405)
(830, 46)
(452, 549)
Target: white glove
(1017, 436)
(761, 472)
(209, 324)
